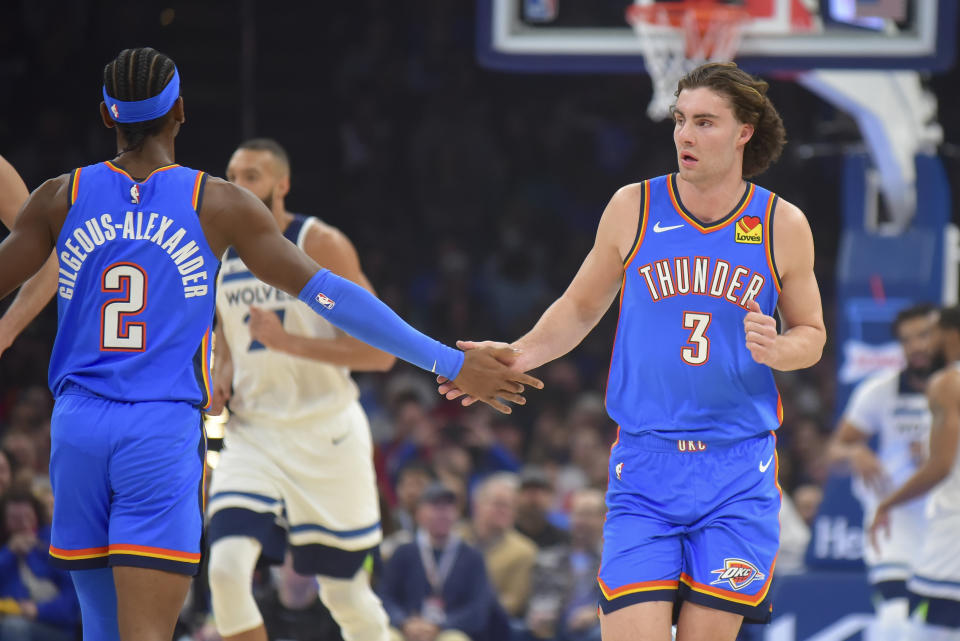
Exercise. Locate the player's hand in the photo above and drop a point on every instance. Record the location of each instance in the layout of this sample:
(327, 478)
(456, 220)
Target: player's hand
(487, 378)
(265, 326)
(222, 386)
(880, 524)
(761, 334)
(446, 387)
(28, 609)
(867, 466)
(582, 618)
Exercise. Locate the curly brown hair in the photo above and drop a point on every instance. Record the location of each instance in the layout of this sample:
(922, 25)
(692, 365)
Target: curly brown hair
(748, 97)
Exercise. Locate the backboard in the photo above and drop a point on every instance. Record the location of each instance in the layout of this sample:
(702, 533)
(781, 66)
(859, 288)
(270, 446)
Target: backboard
(593, 35)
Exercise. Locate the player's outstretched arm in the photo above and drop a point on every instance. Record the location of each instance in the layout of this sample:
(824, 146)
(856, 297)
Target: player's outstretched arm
(329, 247)
(233, 216)
(801, 345)
(34, 234)
(36, 292)
(571, 317)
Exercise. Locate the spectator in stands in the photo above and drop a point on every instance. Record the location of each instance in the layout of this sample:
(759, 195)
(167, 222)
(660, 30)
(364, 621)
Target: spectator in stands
(565, 592)
(37, 601)
(509, 555)
(6, 473)
(436, 588)
(534, 502)
(807, 499)
(413, 479)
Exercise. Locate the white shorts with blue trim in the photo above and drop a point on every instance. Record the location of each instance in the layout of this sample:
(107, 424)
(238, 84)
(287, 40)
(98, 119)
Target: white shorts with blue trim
(937, 571)
(305, 482)
(896, 552)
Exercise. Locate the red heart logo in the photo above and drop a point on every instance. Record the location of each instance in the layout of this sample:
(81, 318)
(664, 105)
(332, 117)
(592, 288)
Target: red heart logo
(748, 223)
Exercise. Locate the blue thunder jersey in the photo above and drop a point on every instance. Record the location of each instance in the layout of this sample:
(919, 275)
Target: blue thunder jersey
(136, 289)
(680, 366)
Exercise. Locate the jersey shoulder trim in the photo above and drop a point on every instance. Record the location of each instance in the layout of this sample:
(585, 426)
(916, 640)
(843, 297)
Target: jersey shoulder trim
(196, 200)
(309, 222)
(772, 203)
(641, 223)
(74, 185)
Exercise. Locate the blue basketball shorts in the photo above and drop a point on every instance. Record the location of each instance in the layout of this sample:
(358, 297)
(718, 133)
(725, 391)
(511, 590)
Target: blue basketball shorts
(127, 483)
(691, 520)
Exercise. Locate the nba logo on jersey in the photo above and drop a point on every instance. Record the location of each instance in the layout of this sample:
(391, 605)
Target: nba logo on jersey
(114, 110)
(749, 230)
(738, 573)
(135, 194)
(326, 302)
(618, 470)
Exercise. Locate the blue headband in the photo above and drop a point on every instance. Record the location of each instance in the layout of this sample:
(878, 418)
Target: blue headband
(143, 110)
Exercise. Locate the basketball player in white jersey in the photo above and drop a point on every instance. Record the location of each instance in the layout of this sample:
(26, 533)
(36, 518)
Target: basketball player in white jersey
(297, 464)
(936, 574)
(891, 406)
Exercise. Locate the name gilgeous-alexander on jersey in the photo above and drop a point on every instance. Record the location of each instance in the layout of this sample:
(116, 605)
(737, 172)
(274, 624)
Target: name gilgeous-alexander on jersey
(135, 297)
(270, 385)
(680, 366)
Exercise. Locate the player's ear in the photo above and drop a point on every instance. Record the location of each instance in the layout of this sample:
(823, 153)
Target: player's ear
(746, 133)
(108, 122)
(283, 186)
(179, 115)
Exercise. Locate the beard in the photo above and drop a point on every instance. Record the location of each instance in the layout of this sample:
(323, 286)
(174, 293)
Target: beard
(938, 362)
(268, 201)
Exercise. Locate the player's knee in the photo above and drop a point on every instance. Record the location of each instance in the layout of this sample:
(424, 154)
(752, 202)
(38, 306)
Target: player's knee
(231, 564)
(354, 606)
(230, 571)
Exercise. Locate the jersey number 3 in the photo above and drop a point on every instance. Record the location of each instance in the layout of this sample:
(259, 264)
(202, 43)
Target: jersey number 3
(698, 350)
(117, 333)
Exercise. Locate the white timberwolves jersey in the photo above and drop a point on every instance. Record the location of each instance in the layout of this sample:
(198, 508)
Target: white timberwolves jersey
(883, 405)
(268, 385)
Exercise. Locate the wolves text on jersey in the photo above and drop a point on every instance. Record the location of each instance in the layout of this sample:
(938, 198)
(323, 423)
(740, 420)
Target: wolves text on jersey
(85, 238)
(684, 275)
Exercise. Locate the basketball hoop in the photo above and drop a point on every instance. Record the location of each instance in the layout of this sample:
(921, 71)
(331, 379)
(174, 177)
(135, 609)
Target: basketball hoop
(676, 37)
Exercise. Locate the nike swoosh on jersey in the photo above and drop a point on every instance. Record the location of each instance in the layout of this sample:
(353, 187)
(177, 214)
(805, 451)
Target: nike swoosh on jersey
(433, 370)
(658, 229)
(339, 440)
(764, 466)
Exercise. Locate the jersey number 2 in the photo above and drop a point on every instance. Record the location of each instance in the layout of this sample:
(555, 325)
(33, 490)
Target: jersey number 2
(117, 333)
(699, 351)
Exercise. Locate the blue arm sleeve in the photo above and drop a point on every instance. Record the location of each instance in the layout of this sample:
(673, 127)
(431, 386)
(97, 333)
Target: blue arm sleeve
(362, 315)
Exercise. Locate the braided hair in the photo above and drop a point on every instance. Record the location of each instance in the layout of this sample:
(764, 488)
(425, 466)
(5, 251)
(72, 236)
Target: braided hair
(138, 74)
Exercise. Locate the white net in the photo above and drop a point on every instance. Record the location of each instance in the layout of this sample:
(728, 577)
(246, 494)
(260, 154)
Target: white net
(677, 38)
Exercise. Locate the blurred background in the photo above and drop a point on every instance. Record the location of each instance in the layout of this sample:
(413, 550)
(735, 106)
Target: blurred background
(472, 195)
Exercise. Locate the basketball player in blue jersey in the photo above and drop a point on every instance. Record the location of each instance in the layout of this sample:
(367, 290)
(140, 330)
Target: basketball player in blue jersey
(702, 259)
(37, 292)
(297, 464)
(138, 240)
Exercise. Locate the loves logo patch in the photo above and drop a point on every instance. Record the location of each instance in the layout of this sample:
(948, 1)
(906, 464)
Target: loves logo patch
(738, 573)
(749, 230)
